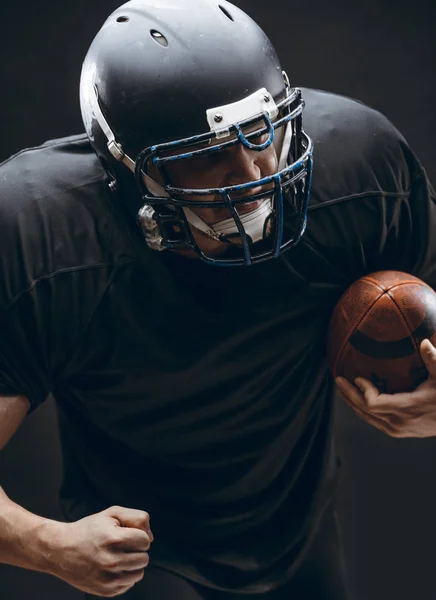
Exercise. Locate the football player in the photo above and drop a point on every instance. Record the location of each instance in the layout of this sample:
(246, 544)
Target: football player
(169, 276)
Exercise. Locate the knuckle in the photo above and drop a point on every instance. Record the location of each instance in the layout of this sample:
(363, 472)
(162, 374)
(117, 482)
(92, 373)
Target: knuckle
(413, 416)
(110, 575)
(106, 577)
(147, 544)
(120, 590)
(105, 592)
(394, 433)
(109, 567)
(140, 575)
(115, 539)
(117, 592)
(126, 589)
(123, 587)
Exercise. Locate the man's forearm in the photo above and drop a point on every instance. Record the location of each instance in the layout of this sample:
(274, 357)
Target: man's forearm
(26, 540)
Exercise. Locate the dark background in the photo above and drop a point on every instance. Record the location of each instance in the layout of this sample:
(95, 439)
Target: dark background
(380, 51)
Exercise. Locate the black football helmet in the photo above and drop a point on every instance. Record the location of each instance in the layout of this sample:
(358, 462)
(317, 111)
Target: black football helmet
(171, 80)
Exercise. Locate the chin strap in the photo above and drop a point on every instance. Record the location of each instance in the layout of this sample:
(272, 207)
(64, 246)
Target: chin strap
(283, 160)
(253, 222)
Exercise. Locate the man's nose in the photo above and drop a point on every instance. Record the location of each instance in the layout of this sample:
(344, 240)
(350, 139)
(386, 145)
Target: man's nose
(242, 165)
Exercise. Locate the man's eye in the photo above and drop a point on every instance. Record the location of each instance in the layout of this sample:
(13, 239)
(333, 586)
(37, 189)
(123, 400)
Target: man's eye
(202, 158)
(215, 156)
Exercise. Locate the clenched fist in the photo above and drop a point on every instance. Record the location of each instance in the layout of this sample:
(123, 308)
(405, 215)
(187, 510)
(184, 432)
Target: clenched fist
(104, 554)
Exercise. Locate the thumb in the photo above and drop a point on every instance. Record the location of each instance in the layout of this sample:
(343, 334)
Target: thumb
(130, 517)
(428, 355)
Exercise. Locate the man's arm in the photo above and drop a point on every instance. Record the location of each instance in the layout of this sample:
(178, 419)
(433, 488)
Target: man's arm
(13, 410)
(103, 554)
(23, 535)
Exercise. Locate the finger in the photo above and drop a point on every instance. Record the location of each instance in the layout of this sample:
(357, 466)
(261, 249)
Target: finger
(375, 401)
(127, 577)
(382, 403)
(355, 400)
(132, 540)
(400, 404)
(379, 423)
(130, 517)
(428, 355)
(131, 561)
(350, 391)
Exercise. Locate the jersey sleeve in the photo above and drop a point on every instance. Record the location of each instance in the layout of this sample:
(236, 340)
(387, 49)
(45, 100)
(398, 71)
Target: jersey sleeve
(41, 330)
(408, 226)
(58, 235)
(25, 351)
(373, 207)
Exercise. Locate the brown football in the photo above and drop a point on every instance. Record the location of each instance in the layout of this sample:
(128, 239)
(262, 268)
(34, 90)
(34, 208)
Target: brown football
(377, 327)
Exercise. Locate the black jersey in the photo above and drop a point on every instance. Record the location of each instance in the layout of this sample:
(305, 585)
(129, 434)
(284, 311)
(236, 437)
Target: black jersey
(197, 393)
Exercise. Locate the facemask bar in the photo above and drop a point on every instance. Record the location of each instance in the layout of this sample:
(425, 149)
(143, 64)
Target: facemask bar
(177, 194)
(155, 151)
(299, 173)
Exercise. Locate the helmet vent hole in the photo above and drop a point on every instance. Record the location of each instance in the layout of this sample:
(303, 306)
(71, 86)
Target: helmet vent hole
(159, 38)
(123, 19)
(226, 12)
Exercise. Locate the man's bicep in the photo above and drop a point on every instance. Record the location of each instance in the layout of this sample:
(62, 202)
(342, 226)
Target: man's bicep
(13, 410)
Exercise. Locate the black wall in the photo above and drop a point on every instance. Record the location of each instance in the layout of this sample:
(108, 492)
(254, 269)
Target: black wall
(382, 52)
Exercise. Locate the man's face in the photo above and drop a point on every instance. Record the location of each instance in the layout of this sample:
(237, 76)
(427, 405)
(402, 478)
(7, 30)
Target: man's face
(231, 166)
